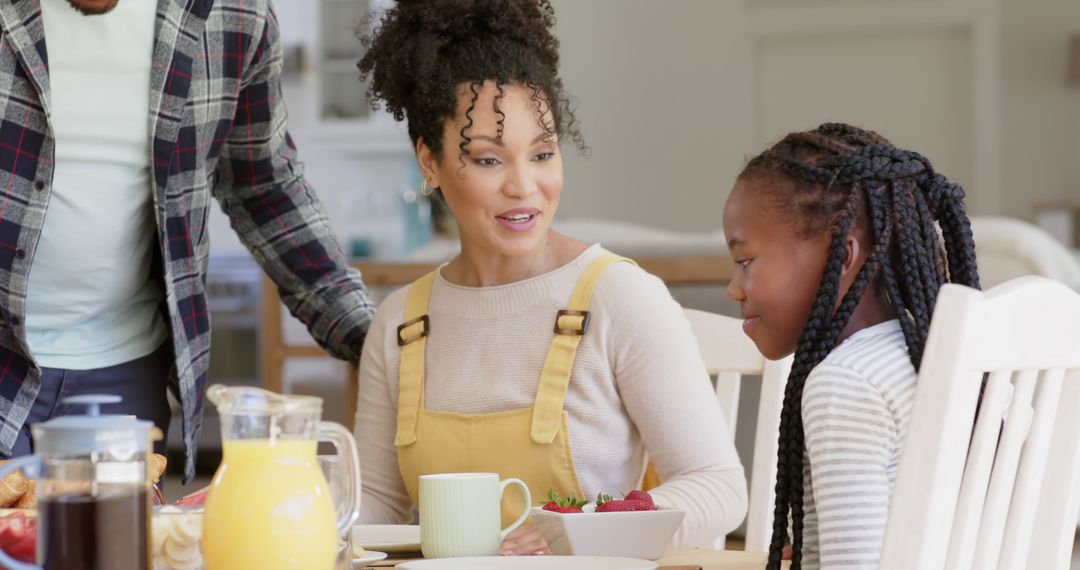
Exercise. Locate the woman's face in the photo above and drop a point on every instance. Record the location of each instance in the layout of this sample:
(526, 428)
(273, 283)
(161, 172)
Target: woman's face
(505, 194)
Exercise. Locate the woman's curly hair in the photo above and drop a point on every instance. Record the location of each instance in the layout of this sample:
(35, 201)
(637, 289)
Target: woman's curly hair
(421, 51)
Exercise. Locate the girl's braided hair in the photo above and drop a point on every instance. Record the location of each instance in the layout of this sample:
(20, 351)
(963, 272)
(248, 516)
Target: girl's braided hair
(839, 176)
(422, 50)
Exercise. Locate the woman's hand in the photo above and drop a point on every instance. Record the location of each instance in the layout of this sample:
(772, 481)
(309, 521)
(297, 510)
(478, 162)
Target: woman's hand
(526, 540)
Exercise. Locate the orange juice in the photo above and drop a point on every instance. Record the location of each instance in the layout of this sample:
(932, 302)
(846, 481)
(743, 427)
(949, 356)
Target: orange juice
(269, 508)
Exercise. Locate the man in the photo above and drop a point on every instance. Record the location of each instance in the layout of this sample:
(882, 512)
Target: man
(118, 121)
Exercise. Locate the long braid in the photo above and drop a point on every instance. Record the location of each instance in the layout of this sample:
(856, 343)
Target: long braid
(913, 288)
(936, 277)
(845, 176)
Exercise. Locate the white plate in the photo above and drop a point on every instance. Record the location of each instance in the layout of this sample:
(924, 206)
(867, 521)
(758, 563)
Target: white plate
(531, 563)
(392, 538)
(372, 556)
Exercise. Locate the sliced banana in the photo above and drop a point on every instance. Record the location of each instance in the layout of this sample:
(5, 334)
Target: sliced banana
(195, 564)
(160, 529)
(188, 528)
(180, 555)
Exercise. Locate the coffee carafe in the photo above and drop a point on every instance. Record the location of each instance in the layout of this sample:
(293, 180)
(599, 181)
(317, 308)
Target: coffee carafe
(93, 488)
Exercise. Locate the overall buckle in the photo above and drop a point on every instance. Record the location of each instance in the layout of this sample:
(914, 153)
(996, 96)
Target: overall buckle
(402, 341)
(572, 331)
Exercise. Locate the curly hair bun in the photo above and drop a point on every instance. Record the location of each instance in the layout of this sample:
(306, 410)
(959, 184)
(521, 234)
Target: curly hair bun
(465, 19)
(422, 50)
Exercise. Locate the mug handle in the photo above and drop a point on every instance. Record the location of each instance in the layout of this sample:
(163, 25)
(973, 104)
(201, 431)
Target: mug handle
(524, 513)
(343, 442)
(31, 466)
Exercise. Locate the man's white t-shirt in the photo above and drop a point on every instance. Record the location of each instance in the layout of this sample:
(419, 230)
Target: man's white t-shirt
(92, 301)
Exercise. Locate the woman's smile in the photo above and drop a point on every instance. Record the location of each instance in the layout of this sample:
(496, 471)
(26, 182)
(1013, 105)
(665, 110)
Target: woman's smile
(519, 219)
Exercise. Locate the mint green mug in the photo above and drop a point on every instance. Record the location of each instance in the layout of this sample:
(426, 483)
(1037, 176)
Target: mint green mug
(461, 514)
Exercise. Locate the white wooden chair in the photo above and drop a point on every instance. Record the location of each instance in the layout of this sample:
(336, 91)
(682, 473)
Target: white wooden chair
(985, 493)
(729, 354)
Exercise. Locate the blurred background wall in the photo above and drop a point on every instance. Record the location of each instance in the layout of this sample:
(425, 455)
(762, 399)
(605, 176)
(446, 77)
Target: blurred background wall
(674, 95)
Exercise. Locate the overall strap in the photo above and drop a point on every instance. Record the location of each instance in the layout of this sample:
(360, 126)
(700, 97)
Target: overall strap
(412, 338)
(570, 325)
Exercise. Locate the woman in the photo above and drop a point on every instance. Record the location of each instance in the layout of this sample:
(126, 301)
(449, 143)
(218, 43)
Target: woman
(462, 371)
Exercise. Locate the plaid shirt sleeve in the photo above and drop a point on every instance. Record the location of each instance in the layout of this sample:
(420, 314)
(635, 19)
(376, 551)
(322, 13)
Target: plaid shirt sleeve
(260, 185)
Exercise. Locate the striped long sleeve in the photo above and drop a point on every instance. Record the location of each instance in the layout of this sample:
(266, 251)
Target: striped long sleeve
(856, 406)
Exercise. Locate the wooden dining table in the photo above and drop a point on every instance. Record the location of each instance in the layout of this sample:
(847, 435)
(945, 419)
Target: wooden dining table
(674, 560)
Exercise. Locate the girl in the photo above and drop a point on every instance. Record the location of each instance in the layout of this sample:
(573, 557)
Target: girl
(530, 354)
(835, 235)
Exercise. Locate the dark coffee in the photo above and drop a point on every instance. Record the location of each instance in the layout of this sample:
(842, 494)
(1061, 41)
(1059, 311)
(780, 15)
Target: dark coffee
(106, 532)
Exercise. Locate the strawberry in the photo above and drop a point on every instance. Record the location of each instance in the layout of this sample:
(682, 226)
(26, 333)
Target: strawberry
(18, 536)
(24, 549)
(643, 497)
(12, 528)
(622, 505)
(557, 504)
(605, 504)
(196, 499)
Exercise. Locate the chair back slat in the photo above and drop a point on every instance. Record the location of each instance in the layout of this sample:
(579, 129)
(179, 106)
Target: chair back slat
(1021, 519)
(727, 393)
(1059, 497)
(980, 461)
(1003, 476)
(759, 518)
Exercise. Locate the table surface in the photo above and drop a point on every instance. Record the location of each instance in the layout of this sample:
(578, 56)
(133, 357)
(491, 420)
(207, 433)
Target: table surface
(706, 559)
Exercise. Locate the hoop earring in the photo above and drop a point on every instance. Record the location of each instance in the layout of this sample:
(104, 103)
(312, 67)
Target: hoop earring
(424, 190)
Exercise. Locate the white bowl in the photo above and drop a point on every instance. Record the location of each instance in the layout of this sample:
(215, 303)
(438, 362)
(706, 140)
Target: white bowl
(634, 534)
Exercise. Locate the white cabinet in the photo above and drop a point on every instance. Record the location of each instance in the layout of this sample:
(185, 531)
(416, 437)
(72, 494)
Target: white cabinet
(328, 104)
(341, 96)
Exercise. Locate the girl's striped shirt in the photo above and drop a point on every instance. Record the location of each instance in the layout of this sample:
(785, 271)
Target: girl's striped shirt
(855, 407)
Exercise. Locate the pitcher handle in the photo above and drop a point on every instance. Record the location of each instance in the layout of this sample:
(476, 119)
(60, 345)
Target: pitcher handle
(31, 466)
(524, 513)
(343, 442)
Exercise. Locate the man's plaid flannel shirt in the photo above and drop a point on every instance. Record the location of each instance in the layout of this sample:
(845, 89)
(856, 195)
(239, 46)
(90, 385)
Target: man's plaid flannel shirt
(217, 128)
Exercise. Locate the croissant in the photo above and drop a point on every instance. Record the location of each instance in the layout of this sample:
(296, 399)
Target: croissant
(157, 466)
(18, 492)
(28, 500)
(12, 487)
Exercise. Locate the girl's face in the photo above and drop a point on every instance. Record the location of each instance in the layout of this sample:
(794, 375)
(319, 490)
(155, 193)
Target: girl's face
(777, 272)
(506, 194)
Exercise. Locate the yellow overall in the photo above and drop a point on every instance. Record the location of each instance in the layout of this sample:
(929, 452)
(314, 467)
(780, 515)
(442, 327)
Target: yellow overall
(531, 444)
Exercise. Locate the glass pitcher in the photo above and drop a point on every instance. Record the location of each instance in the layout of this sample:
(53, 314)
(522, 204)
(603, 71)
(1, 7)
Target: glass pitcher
(93, 489)
(269, 504)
